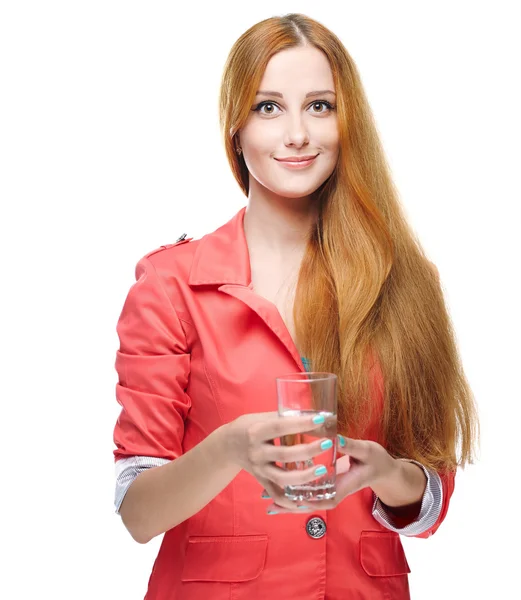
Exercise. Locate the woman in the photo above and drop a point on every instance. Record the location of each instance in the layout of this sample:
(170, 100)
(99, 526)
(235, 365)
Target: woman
(319, 269)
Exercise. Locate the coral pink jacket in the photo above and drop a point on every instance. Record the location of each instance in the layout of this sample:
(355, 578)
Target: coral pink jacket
(198, 349)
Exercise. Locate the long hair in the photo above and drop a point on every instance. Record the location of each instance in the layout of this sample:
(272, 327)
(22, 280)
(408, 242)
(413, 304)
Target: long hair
(369, 305)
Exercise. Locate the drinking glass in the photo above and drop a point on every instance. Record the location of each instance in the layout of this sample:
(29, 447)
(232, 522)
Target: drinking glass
(311, 393)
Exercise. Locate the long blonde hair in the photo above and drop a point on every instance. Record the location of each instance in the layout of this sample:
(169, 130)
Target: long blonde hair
(367, 301)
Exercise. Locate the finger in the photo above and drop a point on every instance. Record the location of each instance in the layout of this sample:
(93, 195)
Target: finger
(341, 444)
(358, 449)
(352, 481)
(276, 494)
(277, 497)
(347, 483)
(282, 426)
(292, 474)
(299, 452)
(343, 464)
(281, 504)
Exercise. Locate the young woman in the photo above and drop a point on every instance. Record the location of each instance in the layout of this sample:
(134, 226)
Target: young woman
(319, 270)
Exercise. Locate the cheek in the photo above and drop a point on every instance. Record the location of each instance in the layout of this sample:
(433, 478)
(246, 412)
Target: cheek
(330, 138)
(261, 138)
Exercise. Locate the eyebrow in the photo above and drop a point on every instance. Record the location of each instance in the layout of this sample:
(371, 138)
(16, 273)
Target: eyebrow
(279, 95)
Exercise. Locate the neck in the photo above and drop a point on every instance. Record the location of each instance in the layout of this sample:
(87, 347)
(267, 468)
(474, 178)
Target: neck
(279, 226)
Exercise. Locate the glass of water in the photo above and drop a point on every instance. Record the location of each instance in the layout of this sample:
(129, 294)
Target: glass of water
(312, 393)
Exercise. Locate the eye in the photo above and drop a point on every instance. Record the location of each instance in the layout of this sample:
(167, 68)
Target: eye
(328, 105)
(262, 105)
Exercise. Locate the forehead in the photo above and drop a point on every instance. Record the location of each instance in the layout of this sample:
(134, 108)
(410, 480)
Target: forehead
(300, 69)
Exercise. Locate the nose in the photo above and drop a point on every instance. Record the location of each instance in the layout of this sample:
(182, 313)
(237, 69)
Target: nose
(296, 133)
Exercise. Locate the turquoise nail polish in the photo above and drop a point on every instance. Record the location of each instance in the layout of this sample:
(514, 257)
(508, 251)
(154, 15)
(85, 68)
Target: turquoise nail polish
(326, 444)
(265, 496)
(272, 512)
(320, 471)
(303, 507)
(318, 419)
(342, 441)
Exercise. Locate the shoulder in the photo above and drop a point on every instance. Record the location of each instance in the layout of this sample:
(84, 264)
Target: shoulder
(181, 240)
(168, 268)
(174, 258)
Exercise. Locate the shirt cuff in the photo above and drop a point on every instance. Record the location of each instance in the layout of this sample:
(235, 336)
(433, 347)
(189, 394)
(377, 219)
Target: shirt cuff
(430, 507)
(127, 469)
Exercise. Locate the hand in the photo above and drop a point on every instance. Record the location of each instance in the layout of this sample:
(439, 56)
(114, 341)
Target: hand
(249, 444)
(364, 463)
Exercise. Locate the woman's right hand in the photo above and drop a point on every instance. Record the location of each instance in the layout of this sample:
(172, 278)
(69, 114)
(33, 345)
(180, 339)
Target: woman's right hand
(249, 444)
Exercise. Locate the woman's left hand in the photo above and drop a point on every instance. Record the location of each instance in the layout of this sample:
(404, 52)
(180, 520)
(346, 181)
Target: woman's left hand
(363, 463)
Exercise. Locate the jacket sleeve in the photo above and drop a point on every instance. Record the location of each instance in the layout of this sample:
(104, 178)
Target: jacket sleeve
(434, 507)
(127, 469)
(153, 366)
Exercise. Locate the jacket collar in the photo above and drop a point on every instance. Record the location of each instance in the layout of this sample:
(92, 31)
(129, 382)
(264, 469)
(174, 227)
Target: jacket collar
(222, 256)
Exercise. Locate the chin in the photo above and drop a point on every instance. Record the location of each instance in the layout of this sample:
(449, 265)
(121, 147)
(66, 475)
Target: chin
(298, 191)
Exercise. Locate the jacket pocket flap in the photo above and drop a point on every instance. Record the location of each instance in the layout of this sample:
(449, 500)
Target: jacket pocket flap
(225, 558)
(382, 554)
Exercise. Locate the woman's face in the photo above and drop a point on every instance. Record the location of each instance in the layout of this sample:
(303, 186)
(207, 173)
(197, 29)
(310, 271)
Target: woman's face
(287, 122)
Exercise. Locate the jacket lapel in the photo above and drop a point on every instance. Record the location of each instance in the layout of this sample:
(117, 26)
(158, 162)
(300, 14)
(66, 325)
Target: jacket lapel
(222, 259)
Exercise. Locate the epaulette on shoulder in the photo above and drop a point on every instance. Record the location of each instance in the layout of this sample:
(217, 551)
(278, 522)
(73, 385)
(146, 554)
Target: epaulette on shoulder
(182, 239)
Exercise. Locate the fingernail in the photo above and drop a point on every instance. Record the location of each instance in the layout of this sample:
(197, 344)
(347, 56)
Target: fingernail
(265, 495)
(326, 444)
(320, 471)
(303, 507)
(342, 441)
(272, 512)
(318, 419)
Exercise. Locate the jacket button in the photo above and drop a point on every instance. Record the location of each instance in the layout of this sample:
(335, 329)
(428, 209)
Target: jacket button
(316, 527)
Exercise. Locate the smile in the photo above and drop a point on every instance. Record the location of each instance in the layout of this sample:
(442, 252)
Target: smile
(301, 164)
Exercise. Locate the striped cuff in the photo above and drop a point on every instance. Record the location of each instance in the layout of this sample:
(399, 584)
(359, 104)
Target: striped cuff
(127, 469)
(430, 507)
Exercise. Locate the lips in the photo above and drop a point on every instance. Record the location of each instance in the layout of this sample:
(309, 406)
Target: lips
(294, 163)
(297, 158)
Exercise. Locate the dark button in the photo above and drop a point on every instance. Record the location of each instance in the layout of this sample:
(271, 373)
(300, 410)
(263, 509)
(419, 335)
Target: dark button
(181, 238)
(316, 527)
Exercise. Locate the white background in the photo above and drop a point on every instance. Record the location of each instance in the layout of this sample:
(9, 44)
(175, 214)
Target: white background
(110, 147)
